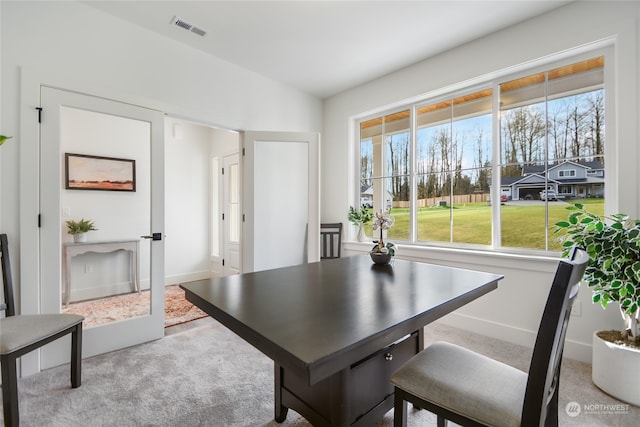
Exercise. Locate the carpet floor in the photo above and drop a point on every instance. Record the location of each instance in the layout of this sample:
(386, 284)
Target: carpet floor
(104, 310)
(205, 375)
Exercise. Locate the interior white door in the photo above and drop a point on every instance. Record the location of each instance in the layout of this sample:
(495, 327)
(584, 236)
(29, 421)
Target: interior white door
(281, 199)
(100, 127)
(231, 195)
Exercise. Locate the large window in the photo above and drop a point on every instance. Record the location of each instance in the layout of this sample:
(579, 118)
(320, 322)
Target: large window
(430, 164)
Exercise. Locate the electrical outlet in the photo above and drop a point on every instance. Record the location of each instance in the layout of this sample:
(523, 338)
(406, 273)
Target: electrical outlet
(88, 268)
(576, 309)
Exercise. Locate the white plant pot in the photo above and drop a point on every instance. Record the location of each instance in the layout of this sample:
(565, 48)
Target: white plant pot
(80, 238)
(615, 370)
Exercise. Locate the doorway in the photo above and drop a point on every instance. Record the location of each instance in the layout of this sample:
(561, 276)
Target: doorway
(194, 203)
(231, 214)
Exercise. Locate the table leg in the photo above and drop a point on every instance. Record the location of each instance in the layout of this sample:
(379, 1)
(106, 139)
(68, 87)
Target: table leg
(280, 411)
(66, 288)
(340, 398)
(137, 266)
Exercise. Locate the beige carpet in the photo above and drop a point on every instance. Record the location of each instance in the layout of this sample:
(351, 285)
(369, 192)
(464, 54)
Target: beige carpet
(105, 310)
(207, 376)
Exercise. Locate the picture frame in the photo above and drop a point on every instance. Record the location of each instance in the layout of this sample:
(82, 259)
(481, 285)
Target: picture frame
(87, 172)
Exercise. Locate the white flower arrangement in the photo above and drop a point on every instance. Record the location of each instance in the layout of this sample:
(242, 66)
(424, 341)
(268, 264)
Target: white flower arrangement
(383, 221)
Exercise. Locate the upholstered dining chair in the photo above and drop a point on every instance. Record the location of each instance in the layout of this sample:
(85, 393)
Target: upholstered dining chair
(330, 240)
(473, 390)
(21, 334)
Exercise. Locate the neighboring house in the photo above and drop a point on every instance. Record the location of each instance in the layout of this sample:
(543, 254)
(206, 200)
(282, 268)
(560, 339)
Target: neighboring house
(568, 180)
(366, 197)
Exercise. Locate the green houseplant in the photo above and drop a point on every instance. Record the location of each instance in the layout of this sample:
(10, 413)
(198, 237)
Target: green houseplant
(613, 274)
(78, 228)
(359, 218)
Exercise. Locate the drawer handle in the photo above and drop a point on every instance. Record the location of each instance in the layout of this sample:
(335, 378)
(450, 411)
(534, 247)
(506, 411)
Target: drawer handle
(388, 357)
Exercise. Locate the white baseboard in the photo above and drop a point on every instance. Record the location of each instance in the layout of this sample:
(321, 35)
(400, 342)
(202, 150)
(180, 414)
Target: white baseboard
(572, 349)
(187, 277)
(103, 291)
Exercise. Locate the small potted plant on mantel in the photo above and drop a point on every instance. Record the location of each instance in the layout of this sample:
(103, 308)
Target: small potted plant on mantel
(613, 274)
(78, 229)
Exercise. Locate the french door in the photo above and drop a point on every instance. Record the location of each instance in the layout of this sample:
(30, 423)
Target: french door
(281, 199)
(101, 160)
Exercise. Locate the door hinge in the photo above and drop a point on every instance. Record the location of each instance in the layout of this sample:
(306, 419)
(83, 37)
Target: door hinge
(222, 171)
(39, 220)
(242, 217)
(223, 262)
(39, 114)
(223, 217)
(244, 153)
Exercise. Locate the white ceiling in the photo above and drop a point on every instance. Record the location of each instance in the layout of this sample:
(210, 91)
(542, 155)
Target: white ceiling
(325, 47)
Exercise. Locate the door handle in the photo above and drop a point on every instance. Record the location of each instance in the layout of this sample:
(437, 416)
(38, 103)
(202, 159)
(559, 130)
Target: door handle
(154, 236)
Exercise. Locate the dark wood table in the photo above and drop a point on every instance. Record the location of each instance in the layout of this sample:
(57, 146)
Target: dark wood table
(337, 329)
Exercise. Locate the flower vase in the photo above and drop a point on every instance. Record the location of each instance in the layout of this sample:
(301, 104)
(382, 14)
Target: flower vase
(80, 238)
(360, 234)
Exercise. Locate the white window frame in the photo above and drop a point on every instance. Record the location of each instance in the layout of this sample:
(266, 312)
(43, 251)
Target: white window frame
(493, 81)
(567, 173)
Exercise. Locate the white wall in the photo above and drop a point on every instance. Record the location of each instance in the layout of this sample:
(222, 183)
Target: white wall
(77, 47)
(513, 311)
(187, 201)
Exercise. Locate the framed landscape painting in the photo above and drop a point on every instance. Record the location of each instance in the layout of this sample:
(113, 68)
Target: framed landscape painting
(85, 172)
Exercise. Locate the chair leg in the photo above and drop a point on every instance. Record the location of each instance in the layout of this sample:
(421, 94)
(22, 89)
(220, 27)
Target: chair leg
(10, 391)
(551, 419)
(442, 422)
(76, 356)
(399, 410)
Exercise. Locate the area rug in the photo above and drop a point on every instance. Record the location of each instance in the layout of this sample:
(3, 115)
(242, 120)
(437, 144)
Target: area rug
(177, 309)
(98, 312)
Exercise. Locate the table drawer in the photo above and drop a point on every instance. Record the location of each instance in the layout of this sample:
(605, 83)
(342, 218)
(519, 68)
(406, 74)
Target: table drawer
(370, 378)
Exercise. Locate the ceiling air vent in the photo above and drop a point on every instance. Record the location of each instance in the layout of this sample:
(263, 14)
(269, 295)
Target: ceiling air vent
(187, 26)
(198, 31)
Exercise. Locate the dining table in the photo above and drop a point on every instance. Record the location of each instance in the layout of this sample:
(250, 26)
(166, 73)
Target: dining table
(337, 329)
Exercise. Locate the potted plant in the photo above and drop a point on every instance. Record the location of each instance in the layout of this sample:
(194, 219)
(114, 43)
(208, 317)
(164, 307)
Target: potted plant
(359, 218)
(382, 253)
(613, 274)
(78, 229)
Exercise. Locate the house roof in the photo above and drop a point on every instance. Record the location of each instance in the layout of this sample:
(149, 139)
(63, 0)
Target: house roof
(539, 169)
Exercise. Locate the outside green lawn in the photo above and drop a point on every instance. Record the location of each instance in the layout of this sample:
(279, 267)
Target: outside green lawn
(523, 223)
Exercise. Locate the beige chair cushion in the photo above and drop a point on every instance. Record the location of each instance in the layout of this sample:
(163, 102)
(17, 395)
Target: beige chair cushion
(466, 383)
(17, 332)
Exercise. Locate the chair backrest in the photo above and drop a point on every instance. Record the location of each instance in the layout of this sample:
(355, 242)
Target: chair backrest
(7, 284)
(541, 396)
(331, 240)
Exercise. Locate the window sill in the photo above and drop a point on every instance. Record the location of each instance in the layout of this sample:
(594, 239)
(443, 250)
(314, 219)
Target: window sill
(484, 260)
